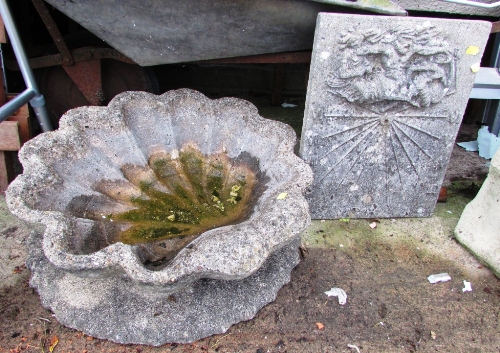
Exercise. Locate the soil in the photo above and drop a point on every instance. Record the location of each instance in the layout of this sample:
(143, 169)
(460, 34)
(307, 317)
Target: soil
(391, 306)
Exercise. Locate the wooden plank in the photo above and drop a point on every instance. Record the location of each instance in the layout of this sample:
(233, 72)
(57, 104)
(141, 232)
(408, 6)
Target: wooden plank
(24, 127)
(3, 38)
(9, 136)
(4, 179)
(495, 27)
(21, 111)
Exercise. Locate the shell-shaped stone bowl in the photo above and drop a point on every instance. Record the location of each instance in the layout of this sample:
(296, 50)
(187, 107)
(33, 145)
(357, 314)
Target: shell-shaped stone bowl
(76, 179)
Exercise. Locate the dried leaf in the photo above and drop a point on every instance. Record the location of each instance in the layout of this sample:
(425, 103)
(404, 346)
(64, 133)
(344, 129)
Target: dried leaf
(19, 269)
(282, 196)
(472, 50)
(320, 326)
(53, 343)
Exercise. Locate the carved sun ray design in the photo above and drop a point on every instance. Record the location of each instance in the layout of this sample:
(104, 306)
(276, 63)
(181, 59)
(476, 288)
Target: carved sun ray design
(399, 139)
(360, 137)
(396, 158)
(402, 139)
(409, 137)
(418, 129)
(366, 126)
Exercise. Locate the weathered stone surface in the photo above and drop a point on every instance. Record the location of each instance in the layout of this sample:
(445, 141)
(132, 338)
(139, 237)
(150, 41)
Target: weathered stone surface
(479, 226)
(385, 99)
(159, 163)
(117, 309)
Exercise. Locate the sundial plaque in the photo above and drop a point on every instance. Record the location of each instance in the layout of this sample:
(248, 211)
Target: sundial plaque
(385, 99)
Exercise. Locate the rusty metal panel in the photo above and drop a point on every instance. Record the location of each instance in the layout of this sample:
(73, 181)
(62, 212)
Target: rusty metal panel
(153, 32)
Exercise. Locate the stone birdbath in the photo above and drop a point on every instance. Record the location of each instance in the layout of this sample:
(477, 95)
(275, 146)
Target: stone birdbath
(166, 218)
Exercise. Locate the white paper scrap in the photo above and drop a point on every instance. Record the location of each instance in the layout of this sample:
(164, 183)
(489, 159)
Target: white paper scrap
(439, 277)
(352, 346)
(337, 292)
(288, 105)
(467, 287)
(470, 146)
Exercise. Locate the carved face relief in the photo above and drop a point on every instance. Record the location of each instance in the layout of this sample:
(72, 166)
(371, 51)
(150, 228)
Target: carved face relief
(393, 69)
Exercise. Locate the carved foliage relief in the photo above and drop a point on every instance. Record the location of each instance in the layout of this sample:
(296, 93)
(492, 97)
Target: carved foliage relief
(388, 70)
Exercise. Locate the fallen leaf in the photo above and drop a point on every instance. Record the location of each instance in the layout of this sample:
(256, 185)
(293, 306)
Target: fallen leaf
(320, 326)
(53, 343)
(282, 196)
(373, 225)
(472, 50)
(19, 269)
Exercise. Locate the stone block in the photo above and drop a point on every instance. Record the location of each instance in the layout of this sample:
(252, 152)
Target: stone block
(167, 218)
(479, 226)
(385, 99)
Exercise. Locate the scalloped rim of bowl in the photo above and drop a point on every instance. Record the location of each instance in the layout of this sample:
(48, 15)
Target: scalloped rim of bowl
(229, 252)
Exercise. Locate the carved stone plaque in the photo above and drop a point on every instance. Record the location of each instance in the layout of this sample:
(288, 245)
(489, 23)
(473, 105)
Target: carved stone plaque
(385, 99)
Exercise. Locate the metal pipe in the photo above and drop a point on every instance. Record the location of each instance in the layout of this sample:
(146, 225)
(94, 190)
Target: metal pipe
(37, 102)
(10, 107)
(475, 4)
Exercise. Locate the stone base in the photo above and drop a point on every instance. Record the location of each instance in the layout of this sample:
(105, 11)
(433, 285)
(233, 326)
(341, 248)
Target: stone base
(479, 226)
(119, 310)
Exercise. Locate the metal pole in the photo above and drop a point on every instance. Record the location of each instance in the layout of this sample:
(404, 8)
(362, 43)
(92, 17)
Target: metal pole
(37, 101)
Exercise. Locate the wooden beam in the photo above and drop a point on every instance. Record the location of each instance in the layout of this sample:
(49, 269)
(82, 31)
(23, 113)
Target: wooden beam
(4, 179)
(24, 127)
(3, 38)
(9, 136)
(495, 28)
